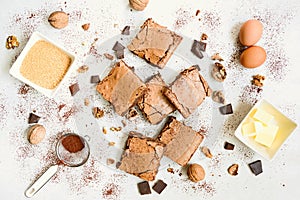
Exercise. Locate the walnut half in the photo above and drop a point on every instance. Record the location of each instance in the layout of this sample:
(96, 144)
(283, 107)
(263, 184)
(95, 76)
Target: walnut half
(218, 72)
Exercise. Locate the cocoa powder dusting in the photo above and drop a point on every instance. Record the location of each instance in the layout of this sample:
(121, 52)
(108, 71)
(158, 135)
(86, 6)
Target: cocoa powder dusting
(111, 191)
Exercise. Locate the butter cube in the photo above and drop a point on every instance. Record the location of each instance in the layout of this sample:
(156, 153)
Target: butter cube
(252, 128)
(267, 135)
(263, 116)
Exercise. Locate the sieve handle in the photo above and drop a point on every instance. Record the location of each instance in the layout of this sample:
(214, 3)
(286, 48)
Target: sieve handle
(41, 181)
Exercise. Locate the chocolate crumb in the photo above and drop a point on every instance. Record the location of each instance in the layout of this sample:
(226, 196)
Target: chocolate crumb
(197, 12)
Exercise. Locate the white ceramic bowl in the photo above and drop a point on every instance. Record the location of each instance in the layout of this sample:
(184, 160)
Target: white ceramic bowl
(286, 127)
(15, 69)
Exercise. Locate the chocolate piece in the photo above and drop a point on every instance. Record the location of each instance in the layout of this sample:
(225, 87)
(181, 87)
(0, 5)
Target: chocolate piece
(228, 146)
(197, 48)
(141, 156)
(226, 110)
(159, 186)
(181, 141)
(144, 188)
(154, 104)
(126, 30)
(256, 167)
(74, 88)
(120, 54)
(95, 79)
(72, 143)
(121, 87)
(118, 46)
(155, 43)
(33, 118)
(188, 91)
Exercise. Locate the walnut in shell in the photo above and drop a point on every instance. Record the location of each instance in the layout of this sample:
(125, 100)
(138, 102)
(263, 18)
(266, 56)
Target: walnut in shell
(58, 19)
(138, 5)
(195, 172)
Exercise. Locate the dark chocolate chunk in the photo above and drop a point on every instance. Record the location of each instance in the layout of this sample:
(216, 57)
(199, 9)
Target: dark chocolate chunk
(226, 110)
(33, 118)
(159, 186)
(118, 46)
(120, 54)
(126, 30)
(74, 88)
(256, 167)
(196, 49)
(144, 188)
(95, 79)
(228, 146)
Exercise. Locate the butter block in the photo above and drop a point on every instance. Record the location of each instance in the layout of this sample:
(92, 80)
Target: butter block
(263, 116)
(267, 135)
(252, 128)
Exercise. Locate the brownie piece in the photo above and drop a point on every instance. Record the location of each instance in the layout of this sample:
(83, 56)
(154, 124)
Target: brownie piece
(121, 87)
(155, 43)
(141, 156)
(154, 104)
(188, 91)
(181, 141)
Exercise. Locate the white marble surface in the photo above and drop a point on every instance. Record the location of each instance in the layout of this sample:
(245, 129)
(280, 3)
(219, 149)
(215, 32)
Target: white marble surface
(21, 163)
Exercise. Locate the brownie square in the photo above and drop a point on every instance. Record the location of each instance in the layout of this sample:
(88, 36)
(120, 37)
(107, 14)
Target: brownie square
(121, 87)
(155, 43)
(141, 156)
(181, 141)
(188, 91)
(154, 104)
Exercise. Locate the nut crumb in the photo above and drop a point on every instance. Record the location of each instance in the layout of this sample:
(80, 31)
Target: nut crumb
(206, 152)
(12, 42)
(83, 69)
(104, 130)
(258, 80)
(171, 170)
(218, 96)
(204, 36)
(124, 123)
(86, 26)
(218, 72)
(111, 144)
(116, 128)
(98, 113)
(86, 102)
(131, 114)
(108, 56)
(110, 161)
(233, 169)
(217, 56)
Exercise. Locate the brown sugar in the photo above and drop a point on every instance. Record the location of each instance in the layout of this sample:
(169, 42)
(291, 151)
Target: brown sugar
(45, 64)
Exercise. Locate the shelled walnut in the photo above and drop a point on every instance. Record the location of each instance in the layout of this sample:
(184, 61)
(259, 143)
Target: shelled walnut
(218, 72)
(258, 80)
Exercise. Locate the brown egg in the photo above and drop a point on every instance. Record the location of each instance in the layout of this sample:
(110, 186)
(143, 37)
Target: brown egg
(253, 57)
(250, 32)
